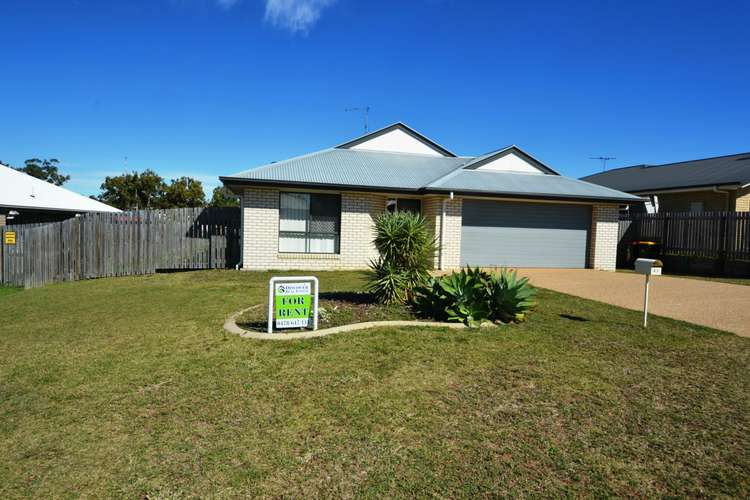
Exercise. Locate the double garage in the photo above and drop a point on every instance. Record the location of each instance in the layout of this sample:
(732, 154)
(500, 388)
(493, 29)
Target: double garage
(518, 234)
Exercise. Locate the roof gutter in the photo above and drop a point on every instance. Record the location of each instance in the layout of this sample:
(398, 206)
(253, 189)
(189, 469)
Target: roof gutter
(688, 189)
(229, 181)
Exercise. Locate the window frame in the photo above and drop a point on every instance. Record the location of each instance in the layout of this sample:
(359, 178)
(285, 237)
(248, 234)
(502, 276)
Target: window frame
(401, 198)
(307, 234)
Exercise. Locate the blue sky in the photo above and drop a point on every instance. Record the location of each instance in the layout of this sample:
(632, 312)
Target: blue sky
(211, 87)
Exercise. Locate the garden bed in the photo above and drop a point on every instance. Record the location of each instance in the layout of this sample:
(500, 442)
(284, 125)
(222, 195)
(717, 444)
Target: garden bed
(335, 309)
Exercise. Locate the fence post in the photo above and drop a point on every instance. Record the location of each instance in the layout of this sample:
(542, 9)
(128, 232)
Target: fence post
(723, 244)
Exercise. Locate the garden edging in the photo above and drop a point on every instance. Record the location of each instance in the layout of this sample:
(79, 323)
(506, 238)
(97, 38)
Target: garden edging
(231, 326)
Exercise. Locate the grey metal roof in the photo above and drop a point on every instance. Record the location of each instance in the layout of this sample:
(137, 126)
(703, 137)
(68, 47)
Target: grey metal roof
(380, 171)
(357, 168)
(527, 185)
(721, 170)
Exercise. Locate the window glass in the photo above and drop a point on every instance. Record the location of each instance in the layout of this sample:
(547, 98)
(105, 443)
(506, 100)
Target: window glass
(404, 205)
(309, 223)
(409, 205)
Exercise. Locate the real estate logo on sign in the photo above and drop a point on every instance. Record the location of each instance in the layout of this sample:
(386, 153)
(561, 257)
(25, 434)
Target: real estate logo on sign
(292, 301)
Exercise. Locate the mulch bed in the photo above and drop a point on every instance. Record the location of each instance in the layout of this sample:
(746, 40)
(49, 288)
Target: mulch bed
(335, 309)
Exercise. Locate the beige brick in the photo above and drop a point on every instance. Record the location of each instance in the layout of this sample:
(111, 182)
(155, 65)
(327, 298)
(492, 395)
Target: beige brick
(604, 234)
(742, 202)
(260, 213)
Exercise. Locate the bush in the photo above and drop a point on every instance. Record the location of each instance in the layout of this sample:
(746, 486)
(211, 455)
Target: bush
(406, 247)
(472, 296)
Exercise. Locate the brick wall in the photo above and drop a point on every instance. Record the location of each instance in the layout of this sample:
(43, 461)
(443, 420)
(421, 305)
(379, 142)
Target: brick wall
(604, 233)
(260, 214)
(432, 209)
(742, 202)
(2, 220)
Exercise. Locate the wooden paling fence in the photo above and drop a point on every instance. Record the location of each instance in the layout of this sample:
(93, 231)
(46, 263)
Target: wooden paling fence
(716, 235)
(121, 244)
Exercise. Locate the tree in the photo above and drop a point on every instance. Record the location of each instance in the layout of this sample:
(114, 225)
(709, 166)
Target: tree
(223, 197)
(45, 170)
(184, 192)
(131, 191)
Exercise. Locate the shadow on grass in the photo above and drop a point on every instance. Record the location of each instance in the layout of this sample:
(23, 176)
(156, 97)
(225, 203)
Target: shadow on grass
(573, 318)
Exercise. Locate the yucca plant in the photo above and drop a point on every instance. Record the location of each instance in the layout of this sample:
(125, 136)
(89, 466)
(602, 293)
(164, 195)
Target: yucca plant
(406, 247)
(510, 298)
(386, 282)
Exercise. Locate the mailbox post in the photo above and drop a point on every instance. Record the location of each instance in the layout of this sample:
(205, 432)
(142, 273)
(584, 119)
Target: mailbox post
(647, 267)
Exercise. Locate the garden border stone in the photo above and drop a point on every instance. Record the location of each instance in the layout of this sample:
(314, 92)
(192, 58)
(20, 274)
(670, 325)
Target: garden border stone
(231, 326)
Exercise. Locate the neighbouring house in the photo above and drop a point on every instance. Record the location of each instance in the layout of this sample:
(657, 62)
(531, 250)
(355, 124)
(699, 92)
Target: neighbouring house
(25, 199)
(504, 208)
(711, 184)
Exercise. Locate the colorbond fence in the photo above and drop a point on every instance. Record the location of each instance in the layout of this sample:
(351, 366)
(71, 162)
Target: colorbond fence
(713, 235)
(121, 244)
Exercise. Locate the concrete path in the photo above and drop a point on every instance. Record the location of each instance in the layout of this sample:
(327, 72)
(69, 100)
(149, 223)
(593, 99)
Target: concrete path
(718, 305)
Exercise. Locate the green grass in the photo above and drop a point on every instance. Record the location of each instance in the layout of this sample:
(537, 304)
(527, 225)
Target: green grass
(718, 279)
(128, 387)
(6, 290)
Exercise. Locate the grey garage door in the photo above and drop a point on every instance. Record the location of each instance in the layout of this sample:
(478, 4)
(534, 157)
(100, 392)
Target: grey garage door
(499, 233)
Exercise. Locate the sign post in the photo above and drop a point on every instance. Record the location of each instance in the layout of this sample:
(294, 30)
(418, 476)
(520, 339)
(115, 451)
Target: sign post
(289, 302)
(647, 267)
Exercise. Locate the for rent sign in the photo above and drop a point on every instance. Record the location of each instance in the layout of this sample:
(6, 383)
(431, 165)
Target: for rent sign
(292, 305)
(293, 302)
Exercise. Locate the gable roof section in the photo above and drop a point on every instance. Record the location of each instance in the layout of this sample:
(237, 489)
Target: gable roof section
(19, 190)
(353, 169)
(707, 172)
(397, 126)
(513, 149)
(520, 185)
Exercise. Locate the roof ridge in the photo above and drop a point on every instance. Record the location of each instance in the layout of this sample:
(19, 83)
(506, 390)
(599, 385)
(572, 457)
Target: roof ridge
(646, 165)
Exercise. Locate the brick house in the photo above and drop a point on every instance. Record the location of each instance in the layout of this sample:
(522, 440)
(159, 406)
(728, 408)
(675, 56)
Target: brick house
(504, 208)
(715, 184)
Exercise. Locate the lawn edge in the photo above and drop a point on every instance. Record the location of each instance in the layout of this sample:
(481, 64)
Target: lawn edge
(230, 325)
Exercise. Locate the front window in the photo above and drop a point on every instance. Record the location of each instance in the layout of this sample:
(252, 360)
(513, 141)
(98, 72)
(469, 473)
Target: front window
(405, 205)
(309, 223)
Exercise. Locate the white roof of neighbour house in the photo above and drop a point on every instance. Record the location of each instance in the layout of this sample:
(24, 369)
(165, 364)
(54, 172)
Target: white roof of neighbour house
(19, 190)
(368, 164)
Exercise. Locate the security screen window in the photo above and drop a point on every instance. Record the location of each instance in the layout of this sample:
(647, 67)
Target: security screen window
(309, 223)
(405, 205)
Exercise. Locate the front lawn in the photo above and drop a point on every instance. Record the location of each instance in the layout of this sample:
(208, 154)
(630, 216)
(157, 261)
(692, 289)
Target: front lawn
(129, 387)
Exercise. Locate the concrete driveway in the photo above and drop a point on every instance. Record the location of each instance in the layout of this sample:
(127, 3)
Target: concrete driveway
(718, 305)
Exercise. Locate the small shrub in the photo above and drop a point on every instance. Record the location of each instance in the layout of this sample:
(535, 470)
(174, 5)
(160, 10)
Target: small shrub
(472, 296)
(510, 298)
(406, 247)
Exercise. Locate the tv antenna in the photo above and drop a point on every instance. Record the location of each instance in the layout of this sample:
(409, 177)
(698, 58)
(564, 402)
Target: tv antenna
(603, 159)
(365, 110)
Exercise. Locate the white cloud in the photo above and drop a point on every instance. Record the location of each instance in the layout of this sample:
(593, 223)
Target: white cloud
(298, 16)
(226, 4)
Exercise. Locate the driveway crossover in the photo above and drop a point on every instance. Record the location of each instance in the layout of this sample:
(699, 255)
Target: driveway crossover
(718, 305)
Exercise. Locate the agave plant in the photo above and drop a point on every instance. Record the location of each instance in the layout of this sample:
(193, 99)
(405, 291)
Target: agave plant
(510, 298)
(467, 293)
(431, 301)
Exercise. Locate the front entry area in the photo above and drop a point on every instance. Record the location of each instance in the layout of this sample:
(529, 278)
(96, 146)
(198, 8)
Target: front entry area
(519, 234)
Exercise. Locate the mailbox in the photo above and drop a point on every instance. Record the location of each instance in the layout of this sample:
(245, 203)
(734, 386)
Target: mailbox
(649, 267)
